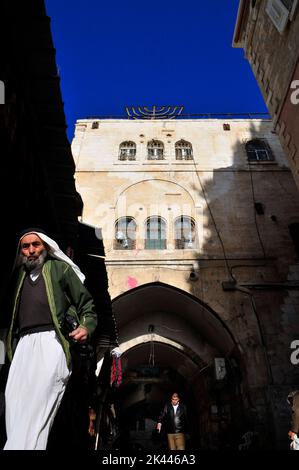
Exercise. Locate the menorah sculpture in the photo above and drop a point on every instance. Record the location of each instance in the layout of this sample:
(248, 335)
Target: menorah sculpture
(155, 112)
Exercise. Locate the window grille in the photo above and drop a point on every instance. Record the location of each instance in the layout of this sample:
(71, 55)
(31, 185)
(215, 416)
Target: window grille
(258, 151)
(183, 150)
(155, 234)
(127, 151)
(155, 150)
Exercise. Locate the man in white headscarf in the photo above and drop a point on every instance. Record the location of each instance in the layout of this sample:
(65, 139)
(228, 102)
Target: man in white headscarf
(48, 287)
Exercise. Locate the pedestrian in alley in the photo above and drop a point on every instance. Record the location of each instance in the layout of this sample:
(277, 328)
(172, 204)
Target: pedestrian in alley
(47, 292)
(173, 420)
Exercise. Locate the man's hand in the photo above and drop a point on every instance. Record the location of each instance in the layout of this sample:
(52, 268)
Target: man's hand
(292, 435)
(159, 425)
(80, 334)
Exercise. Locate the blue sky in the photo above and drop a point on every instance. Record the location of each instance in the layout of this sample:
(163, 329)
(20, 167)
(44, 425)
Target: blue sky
(114, 53)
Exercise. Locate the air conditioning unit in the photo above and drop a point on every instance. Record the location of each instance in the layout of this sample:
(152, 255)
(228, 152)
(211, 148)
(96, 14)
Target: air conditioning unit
(122, 239)
(278, 14)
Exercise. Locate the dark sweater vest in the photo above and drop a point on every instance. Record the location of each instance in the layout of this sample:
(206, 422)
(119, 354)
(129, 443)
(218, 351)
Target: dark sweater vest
(34, 311)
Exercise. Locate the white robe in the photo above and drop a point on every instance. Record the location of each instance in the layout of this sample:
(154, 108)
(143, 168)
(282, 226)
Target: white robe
(34, 391)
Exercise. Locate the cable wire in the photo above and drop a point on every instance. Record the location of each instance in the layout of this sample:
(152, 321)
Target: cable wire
(255, 215)
(214, 223)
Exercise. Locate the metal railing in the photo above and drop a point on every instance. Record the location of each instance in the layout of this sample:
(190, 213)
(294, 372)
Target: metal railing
(223, 116)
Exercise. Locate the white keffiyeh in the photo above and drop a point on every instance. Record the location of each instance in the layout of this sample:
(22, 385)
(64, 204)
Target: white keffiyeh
(56, 252)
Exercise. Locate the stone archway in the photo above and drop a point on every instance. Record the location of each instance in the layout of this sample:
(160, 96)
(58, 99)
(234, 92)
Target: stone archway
(169, 340)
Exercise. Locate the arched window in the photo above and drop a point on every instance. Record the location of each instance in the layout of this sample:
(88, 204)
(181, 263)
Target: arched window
(183, 150)
(155, 234)
(258, 151)
(125, 234)
(95, 125)
(155, 150)
(185, 233)
(127, 151)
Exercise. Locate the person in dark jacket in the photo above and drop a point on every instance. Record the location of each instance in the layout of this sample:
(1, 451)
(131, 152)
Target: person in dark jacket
(173, 419)
(47, 287)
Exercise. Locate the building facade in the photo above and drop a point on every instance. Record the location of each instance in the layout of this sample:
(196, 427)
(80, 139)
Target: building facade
(268, 31)
(199, 221)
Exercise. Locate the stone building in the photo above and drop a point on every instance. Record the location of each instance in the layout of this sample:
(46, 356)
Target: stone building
(268, 31)
(199, 221)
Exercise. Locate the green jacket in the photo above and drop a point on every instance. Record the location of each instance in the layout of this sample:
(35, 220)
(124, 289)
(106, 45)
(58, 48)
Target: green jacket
(66, 294)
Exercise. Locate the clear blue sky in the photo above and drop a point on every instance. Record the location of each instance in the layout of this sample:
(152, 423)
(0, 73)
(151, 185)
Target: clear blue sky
(116, 53)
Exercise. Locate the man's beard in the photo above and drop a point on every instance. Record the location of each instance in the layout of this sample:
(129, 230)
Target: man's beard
(33, 263)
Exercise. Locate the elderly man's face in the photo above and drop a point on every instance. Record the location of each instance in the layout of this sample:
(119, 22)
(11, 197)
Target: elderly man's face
(32, 249)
